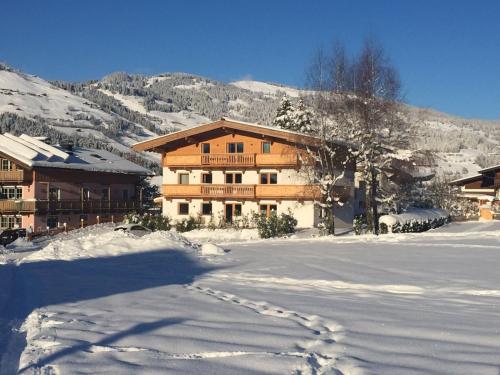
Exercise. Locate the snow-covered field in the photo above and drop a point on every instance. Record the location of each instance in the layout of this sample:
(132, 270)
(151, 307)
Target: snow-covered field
(98, 302)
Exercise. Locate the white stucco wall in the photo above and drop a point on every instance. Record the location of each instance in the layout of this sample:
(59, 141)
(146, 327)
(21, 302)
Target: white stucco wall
(307, 213)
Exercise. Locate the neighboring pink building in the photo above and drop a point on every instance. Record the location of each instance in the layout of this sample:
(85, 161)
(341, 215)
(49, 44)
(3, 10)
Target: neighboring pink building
(46, 186)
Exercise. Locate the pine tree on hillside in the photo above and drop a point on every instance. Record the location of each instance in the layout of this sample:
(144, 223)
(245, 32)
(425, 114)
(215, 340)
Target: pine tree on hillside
(302, 118)
(285, 115)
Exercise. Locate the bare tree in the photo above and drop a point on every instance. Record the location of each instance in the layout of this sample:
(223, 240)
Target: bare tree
(358, 100)
(333, 158)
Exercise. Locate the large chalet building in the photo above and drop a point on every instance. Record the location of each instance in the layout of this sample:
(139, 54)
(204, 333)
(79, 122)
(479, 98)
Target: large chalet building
(227, 169)
(44, 186)
(483, 188)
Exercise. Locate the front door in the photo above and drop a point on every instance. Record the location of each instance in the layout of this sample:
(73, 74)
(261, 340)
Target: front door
(229, 213)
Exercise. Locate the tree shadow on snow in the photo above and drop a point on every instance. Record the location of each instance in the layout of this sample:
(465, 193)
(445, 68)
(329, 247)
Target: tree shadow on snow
(107, 342)
(43, 283)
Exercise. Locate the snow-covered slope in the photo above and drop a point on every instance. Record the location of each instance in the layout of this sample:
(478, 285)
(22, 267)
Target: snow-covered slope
(31, 96)
(268, 88)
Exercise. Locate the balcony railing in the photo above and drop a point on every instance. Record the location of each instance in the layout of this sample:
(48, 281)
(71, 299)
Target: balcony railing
(12, 176)
(16, 206)
(78, 206)
(230, 160)
(242, 191)
(221, 160)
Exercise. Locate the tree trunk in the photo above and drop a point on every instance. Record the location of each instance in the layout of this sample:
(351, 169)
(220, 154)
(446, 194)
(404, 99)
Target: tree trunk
(373, 196)
(331, 220)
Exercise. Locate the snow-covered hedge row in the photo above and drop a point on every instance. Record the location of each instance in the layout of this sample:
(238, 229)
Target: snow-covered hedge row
(414, 220)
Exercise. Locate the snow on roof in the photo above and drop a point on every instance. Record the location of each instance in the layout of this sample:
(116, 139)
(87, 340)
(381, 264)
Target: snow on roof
(34, 153)
(484, 197)
(465, 179)
(266, 127)
(492, 168)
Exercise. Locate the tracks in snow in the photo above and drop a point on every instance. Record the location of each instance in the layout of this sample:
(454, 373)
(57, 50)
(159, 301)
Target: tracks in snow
(320, 352)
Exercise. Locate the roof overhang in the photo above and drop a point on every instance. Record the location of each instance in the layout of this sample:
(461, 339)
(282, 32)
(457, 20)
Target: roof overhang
(159, 144)
(490, 169)
(465, 180)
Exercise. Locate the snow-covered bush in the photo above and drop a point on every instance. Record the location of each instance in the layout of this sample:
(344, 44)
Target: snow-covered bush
(286, 224)
(153, 222)
(358, 224)
(156, 222)
(414, 221)
(274, 225)
(186, 225)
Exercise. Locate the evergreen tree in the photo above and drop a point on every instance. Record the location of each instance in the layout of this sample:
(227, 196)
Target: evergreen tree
(302, 118)
(285, 115)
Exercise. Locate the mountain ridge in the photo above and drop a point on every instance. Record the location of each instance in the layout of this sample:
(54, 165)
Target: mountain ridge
(121, 109)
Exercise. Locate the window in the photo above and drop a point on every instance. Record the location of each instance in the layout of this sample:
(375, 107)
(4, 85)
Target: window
(10, 222)
(205, 148)
(54, 194)
(237, 209)
(125, 194)
(11, 192)
(233, 178)
(183, 208)
(266, 147)
(234, 148)
(266, 209)
(6, 165)
(183, 178)
(206, 178)
(268, 178)
(206, 209)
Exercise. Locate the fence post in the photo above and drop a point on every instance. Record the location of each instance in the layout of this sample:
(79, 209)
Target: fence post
(97, 217)
(81, 223)
(65, 228)
(112, 219)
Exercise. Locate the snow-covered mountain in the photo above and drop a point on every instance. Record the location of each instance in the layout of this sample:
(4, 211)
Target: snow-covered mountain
(121, 109)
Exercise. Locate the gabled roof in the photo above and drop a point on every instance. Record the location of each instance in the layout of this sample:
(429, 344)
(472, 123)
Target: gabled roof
(156, 143)
(31, 153)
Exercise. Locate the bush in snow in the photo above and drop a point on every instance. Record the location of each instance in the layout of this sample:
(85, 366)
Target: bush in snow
(414, 221)
(211, 223)
(153, 222)
(156, 222)
(186, 225)
(358, 224)
(275, 225)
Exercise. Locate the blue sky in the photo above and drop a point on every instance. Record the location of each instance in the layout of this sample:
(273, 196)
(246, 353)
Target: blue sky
(447, 52)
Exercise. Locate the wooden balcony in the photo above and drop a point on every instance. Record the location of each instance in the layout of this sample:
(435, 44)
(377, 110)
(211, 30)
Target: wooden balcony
(88, 206)
(230, 160)
(16, 176)
(287, 191)
(67, 206)
(240, 191)
(16, 206)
